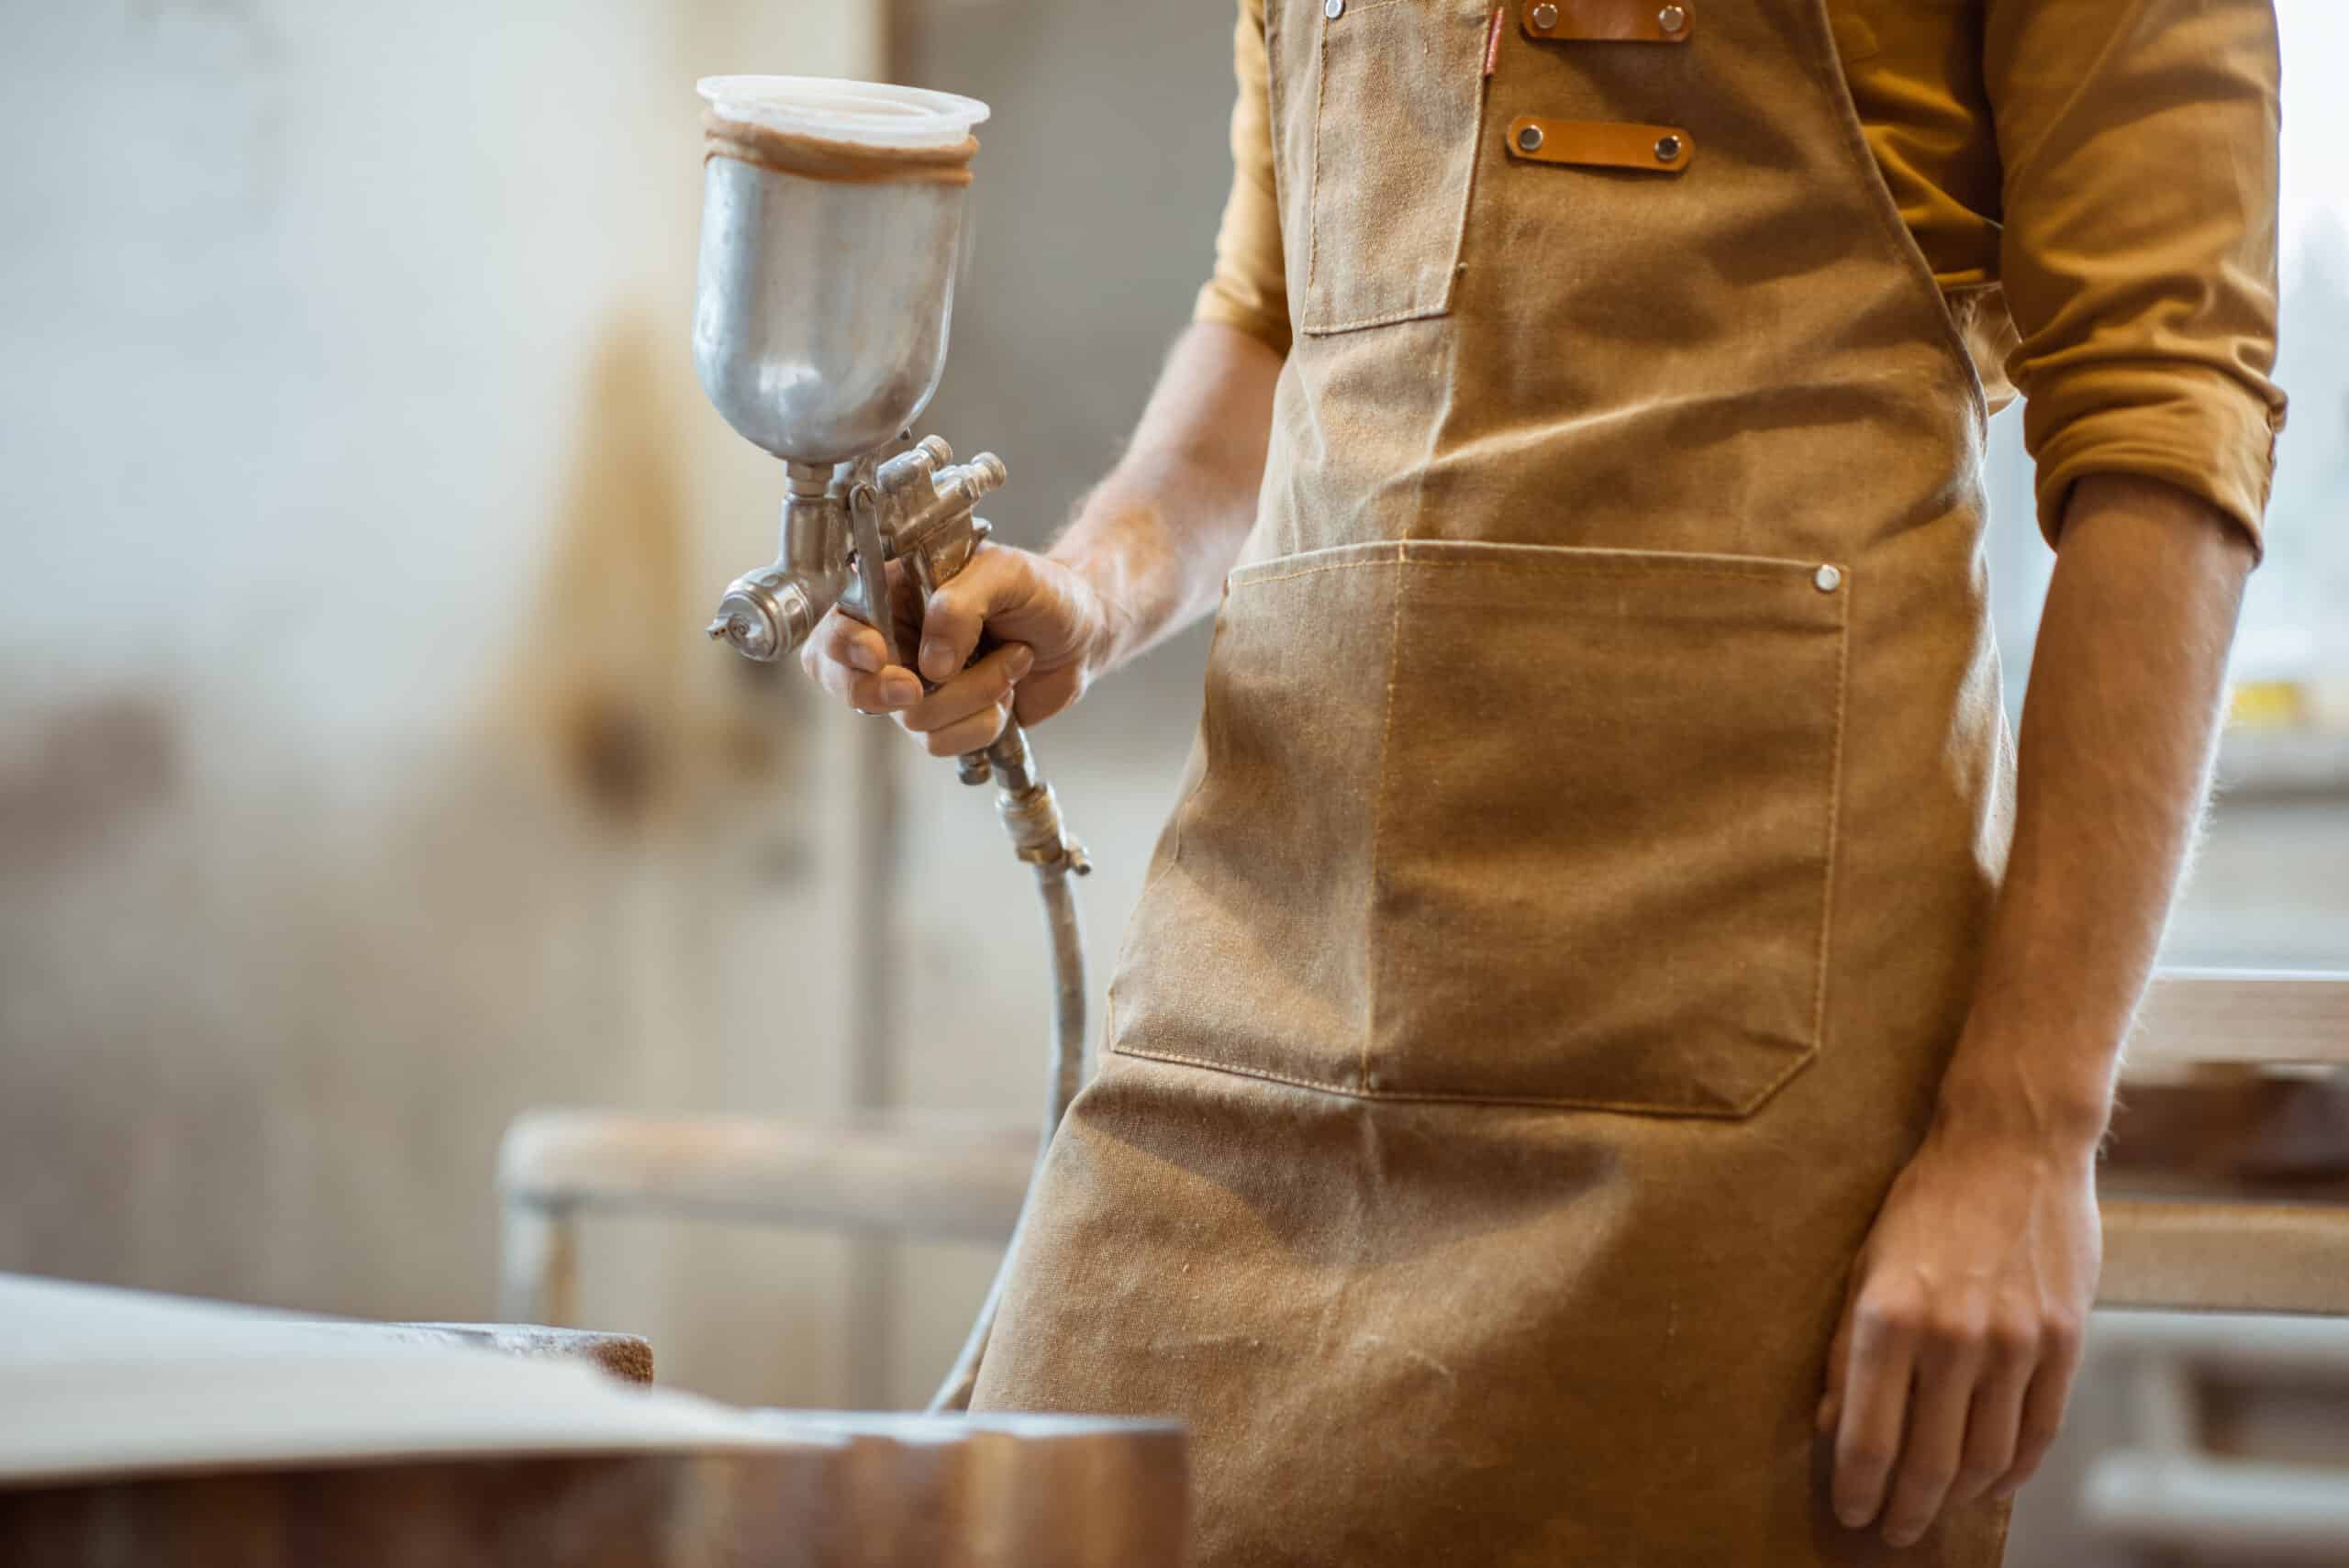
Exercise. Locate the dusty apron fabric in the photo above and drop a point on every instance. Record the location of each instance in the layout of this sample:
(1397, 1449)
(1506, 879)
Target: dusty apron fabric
(1600, 797)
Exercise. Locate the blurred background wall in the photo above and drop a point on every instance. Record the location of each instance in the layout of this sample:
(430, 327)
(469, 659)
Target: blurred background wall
(363, 776)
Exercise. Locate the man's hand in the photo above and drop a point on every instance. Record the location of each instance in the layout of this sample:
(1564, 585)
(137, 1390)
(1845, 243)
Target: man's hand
(1049, 630)
(1145, 554)
(1962, 1329)
(1961, 1332)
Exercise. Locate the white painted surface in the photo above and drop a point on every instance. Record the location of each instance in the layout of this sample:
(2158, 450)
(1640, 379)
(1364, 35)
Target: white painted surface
(100, 1382)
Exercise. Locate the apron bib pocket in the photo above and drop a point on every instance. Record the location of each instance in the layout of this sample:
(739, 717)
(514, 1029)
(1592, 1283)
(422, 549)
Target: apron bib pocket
(1399, 92)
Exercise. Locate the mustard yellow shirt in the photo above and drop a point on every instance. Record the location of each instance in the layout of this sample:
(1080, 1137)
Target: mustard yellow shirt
(2101, 173)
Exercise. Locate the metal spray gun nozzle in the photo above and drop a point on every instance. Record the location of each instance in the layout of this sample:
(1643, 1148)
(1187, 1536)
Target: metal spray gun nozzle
(767, 613)
(842, 527)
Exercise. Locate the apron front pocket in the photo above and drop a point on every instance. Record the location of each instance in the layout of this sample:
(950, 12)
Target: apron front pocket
(1606, 827)
(1395, 116)
(1513, 823)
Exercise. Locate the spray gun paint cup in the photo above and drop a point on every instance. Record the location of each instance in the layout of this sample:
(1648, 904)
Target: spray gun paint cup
(832, 220)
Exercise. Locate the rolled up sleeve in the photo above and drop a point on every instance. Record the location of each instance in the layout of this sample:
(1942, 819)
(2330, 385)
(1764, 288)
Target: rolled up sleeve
(2139, 138)
(1249, 289)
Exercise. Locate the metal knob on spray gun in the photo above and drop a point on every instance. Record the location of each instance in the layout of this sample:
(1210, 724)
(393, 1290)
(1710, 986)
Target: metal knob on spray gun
(832, 227)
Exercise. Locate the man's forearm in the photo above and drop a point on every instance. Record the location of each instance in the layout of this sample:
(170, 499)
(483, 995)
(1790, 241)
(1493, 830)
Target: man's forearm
(1155, 538)
(2118, 732)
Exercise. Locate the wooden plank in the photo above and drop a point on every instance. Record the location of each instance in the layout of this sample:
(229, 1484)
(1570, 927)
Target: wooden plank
(2225, 1256)
(173, 1433)
(2266, 1018)
(955, 1180)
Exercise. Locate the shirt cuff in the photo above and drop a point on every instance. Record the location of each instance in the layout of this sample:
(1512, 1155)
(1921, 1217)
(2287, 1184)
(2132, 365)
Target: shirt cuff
(2198, 430)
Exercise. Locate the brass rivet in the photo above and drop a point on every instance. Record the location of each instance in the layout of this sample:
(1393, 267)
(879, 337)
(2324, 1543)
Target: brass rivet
(1334, 9)
(1545, 16)
(1827, 579)
(1529, 139)
(1667, 147)
(1672, 19)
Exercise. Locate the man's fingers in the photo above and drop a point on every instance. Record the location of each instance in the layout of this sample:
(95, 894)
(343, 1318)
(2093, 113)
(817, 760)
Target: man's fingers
(1948, 1366)
(887, 692)
(845, 657)
(986, 684)
(971, 734)
(956, 613)
(1046, 691)
(1876, 1407)
(845, 640)
(1992, 1427)
(892, 689)
(1830, 1406)
(2042, 1407)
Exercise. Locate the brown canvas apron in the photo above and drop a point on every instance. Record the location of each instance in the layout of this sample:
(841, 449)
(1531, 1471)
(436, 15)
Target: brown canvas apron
(1601, 792)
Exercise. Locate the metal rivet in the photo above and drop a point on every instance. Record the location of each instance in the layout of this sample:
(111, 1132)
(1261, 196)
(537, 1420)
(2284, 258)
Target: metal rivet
(1529, 139)
(1672, 19)
(1667, 147)
(1334, 9)
(1545, 16)
(1827, 579)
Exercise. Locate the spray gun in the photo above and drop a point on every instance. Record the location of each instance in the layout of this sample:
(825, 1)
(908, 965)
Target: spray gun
(832, 223)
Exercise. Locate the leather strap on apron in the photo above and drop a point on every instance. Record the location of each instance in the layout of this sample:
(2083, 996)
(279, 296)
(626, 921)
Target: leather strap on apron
(1601, 792)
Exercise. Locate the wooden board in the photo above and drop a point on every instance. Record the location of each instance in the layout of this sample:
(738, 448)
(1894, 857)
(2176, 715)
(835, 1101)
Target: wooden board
(154, 1430)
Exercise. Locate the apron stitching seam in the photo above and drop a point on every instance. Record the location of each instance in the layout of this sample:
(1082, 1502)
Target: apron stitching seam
(1788, 577)
(1827, 870)
(1239, 583)
(1737, 1112)
(1876, 196)
(1563, 570)
(1378, 820)
(1835, 813)
(1275, 100)
(1496, 556)
(1761, 1097)
(1834, 819)
(1265, 1072)
(1491, 32)
(1313, 189)
(1409, 313)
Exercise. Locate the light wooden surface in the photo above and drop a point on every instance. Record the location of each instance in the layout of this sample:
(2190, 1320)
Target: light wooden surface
(941, 1178)
(2197, 1016)
(945, 1178)
(160, 1431)
(2228, 1254)
(2232, 1256)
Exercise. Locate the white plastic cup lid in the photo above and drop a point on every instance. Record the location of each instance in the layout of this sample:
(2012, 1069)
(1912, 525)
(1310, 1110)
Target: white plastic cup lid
(867, 114)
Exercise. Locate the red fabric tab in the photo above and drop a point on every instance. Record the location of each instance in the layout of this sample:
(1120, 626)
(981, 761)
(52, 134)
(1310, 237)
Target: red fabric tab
(1493, 39)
